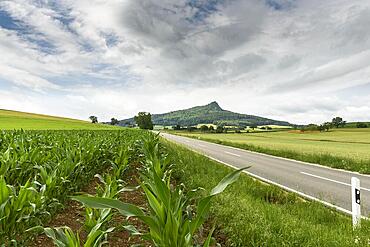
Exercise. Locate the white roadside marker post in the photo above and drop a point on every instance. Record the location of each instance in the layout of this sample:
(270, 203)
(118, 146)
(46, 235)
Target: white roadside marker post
(356, 202)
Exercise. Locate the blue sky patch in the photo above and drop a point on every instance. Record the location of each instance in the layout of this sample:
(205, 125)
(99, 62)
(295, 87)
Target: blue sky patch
(36, 39)
(203, 9)
(279, 4)
(111, 39)
(8, 22)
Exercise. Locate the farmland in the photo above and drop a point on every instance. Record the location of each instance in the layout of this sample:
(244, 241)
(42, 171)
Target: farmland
(39, 175)
(77, 187)
(340, 148)
(41, 170)
(10, 120)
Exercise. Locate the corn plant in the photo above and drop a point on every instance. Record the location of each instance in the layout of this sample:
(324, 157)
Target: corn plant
(168, 222)
(18, 208)
(110, 187)
(65, 237)
(155, 160)
(48, 166)
(95, 219)
(49, 185)
(121, 161)
(169, 219)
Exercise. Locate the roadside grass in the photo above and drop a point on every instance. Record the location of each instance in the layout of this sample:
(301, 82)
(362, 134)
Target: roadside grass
(343, 149)
(11, 120)
(252, 213)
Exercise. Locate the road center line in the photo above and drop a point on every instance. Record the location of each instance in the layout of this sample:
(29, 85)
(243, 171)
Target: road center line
(201, 145)
(237, 155)
(331, 180)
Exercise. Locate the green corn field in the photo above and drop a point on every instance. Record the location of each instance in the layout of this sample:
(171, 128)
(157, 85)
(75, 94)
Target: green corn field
(130, 188)
(41, 170)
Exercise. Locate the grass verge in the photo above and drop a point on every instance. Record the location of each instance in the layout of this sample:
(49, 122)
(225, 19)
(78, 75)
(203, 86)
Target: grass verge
(252, 213)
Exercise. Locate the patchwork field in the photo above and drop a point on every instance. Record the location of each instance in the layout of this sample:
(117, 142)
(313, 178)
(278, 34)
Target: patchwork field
(78, 187)
(10, 120)
(341, 148)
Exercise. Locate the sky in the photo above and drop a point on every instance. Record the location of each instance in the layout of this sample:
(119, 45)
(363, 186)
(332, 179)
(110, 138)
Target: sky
(303, 61)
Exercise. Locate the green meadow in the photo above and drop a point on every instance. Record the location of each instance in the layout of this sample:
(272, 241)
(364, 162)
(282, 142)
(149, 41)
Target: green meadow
(10, 120)
(340, 148)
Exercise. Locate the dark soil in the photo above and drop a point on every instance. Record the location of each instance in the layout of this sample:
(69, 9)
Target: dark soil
(73, 217)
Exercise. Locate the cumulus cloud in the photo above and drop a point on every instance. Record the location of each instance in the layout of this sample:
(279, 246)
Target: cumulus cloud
(292, 60)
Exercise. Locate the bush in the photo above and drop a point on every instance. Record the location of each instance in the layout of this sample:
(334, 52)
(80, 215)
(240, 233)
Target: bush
(253, 126)
(191, 128)
(220, 129)
(311, 127)
(204, 128)
(361, 125)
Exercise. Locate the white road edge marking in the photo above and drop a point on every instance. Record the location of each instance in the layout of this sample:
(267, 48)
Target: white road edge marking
(237, 155)
(330, 205)
(274, 157)
(331, 180)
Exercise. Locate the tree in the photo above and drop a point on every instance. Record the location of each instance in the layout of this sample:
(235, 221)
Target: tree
(327, 126)
(204, 128)
(93, 119)
(220, 129)
(114, 121)
(253, 126)
(311, 127)
(191, 128)
(144, 120)
(177, 127)
(338, 122)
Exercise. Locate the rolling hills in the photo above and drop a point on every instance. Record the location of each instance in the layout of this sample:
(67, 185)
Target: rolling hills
(211, 113)
(10, 120)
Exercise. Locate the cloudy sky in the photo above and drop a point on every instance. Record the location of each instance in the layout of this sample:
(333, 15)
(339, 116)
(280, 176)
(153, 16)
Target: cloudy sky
(297, 60)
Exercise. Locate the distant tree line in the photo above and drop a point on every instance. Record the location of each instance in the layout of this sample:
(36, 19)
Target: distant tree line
(336, 122)
(144, 121)
(361, 125)
(208, 129)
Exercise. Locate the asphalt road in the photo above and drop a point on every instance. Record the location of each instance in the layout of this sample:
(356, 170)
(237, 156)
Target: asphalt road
(330, 186)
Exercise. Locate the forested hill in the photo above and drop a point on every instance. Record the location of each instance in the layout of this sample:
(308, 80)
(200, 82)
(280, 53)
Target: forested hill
(207, 114)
